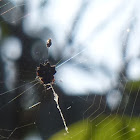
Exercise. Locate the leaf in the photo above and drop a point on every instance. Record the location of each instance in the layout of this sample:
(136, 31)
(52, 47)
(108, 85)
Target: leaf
(113, 127)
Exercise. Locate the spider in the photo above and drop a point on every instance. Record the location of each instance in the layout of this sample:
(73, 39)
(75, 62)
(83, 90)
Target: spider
(45, 73)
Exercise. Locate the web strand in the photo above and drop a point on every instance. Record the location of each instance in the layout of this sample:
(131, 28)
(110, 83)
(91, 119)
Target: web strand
(18, 96)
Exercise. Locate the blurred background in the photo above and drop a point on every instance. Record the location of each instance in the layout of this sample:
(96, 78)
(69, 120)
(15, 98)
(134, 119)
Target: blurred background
(96, 50)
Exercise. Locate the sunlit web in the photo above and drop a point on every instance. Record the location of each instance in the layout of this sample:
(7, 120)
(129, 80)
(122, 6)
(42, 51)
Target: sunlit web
(96, 107)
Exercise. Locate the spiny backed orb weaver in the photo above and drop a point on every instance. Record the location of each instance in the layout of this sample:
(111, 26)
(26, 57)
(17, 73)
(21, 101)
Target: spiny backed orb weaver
(45, 73)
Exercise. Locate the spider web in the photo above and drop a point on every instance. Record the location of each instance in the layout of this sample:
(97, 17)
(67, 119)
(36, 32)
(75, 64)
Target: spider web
(94, 106)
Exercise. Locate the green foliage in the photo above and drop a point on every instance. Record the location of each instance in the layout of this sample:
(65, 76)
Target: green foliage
(134, 85)
(112, 127)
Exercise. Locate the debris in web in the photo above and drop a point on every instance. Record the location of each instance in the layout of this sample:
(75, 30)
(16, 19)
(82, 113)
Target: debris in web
(34, 105)
(49, 43)
(56, 98)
